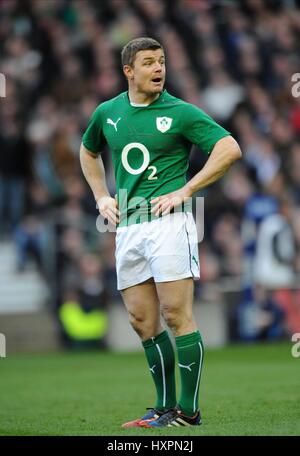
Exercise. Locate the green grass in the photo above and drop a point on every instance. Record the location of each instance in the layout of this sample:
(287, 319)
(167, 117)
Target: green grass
(245, 390)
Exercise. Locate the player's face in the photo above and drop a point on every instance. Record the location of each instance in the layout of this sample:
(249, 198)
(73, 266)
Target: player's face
(148, 72)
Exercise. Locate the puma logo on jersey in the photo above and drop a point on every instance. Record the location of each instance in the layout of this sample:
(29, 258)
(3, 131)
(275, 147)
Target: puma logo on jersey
(111, 122)
(186, 367)
(152, 368)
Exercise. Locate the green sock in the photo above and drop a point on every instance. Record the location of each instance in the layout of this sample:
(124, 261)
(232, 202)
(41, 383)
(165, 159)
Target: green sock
(160, 355)
(190, 359)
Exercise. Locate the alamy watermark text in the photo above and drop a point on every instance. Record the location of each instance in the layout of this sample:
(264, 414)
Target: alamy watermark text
(2, 86)
(2, 346)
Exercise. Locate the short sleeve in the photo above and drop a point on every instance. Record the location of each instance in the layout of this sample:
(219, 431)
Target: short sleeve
(93, 138)
(200, 129)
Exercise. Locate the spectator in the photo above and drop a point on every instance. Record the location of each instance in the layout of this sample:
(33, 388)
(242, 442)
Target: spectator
(83, 313)
(15, 172)
(31, 233)
(275, 252)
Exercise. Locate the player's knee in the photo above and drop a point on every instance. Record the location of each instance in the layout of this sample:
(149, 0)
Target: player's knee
(143, 327)
(136, 321)
(176, 319)
(171, 317)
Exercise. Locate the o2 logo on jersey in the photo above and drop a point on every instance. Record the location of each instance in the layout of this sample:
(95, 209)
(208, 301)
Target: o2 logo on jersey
(144, 165)
(296, 347)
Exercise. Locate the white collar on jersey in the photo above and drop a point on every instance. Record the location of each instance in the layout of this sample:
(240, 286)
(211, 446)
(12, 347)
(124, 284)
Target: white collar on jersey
(138, 105)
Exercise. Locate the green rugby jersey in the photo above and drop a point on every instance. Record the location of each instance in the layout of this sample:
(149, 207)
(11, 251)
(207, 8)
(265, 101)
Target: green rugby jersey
(150, 147)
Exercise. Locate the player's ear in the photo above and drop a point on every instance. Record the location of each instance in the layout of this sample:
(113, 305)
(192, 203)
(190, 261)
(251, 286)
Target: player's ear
(128, 71)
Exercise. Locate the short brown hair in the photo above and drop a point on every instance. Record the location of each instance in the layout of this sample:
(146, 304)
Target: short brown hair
(138, 44)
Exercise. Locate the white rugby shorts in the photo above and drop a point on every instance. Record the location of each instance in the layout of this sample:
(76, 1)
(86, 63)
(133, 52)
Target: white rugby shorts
(165, 249)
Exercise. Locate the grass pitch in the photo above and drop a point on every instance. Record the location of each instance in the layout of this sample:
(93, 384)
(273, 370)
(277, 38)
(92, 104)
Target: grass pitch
(245, 390)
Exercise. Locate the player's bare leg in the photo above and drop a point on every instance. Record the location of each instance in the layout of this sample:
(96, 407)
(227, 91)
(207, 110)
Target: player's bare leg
(142, 305)
(176, 300)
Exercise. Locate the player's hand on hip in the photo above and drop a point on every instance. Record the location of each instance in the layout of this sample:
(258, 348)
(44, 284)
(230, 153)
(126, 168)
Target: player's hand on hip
(108, 208)
(165, 203)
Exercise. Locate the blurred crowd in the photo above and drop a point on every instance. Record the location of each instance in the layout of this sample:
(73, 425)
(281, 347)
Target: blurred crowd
(235, 60)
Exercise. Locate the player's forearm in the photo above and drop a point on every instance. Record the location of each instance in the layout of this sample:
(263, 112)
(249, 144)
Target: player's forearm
(223, 155)
(93, 170)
